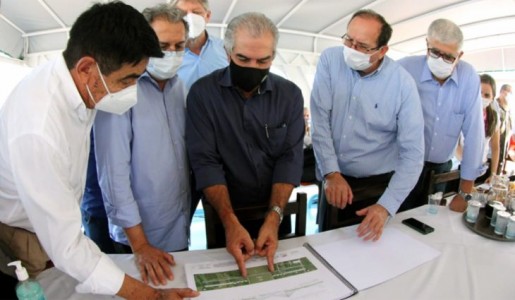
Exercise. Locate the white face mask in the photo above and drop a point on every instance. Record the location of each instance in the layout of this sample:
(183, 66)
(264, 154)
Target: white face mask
(196, 25)
(356, 60)
(439, 68)
(116, 103)
(486, 102)
(165, 67)
(509, 97)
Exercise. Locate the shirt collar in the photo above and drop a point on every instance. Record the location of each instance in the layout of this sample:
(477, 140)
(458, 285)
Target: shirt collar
(381, 66)
(225, 81)
(71, 92)
(428, 76)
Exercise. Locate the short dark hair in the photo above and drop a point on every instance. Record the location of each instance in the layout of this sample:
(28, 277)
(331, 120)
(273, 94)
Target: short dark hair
(386, 29)
(113, 34)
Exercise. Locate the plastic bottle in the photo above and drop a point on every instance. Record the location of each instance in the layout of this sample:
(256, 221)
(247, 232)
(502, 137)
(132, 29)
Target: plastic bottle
(27, 288)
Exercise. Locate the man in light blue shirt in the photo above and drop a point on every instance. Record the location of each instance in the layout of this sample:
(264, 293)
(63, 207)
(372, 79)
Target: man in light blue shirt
(204, 53)
(450, 94)
(141, 158)
(367, 123)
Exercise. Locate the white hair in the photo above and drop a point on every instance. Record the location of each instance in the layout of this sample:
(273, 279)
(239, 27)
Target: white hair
(446, 32)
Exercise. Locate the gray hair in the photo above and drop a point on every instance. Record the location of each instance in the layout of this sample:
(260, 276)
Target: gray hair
(505, 87)
(167, 12)
(204, 3)
(256, 25)
(446, 32)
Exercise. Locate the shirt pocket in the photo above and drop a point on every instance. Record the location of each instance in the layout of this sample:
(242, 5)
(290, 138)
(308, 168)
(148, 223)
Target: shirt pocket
(277, 138)
(454, 126)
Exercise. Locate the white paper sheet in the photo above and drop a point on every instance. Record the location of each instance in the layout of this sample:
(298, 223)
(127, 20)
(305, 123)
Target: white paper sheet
(313, 284)
(366, 263)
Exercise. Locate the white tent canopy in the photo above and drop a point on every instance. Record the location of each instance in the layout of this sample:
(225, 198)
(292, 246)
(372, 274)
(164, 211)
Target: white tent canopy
(36, 29)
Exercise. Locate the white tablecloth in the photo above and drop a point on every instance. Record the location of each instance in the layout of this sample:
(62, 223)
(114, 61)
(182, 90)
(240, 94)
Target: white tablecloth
(470, 266)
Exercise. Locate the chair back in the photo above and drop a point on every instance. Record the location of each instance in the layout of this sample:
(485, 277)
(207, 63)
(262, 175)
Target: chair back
(447, 182)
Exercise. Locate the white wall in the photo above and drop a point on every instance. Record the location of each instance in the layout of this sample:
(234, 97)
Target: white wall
(11, 72)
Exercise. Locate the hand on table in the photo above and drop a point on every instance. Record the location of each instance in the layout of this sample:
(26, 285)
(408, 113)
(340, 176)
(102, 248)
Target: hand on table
(371, 228)
(337, 191)
(267, 241)
(458, 204)
(239, 245)
(154, 263)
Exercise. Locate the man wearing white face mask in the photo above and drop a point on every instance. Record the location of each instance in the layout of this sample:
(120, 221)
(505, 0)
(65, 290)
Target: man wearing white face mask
(204, 53)
(367, 129)
(141, 158)
(45, 126)
(450, 94)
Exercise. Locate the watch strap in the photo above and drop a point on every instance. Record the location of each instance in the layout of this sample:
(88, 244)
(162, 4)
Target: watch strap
(279, 211)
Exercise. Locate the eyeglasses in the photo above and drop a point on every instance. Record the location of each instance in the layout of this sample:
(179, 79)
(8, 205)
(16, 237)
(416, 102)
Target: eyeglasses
(435, 53)
(351, 43)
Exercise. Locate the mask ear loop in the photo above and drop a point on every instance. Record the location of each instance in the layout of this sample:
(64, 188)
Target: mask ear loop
(103, 81)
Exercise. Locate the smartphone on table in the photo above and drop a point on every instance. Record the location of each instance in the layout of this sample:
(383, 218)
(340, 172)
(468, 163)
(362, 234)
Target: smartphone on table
(418, 225)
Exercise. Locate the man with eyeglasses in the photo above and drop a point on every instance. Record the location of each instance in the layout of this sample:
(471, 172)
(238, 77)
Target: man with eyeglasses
(367, 129)
(450, 94)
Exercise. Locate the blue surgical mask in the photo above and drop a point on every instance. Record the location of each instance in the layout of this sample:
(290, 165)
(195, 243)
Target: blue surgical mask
(165, 67)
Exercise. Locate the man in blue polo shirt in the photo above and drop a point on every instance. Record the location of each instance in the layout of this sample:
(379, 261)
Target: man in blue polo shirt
(244, 135)
(450, 93)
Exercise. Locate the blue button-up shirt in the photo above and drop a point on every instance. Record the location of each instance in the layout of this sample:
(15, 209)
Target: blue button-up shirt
(450, 109)
(142, 166)
(245, 144)
(212, 57)
(365, 126)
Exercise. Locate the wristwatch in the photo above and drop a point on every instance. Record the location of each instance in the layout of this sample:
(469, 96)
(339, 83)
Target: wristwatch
(279, 211)
(466, 196)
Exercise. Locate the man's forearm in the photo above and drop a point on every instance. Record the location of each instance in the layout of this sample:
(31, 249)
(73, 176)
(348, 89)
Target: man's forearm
(136, 236)
(281, 193)
(218, 197)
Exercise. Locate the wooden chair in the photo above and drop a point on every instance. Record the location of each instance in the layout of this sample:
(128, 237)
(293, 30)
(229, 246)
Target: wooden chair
(297, 208)
(451, 180)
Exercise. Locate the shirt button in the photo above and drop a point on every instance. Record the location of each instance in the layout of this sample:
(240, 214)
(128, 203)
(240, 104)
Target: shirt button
(435, 133)
(438, 119)
(350, 117)
(353, 98)
(344, 136)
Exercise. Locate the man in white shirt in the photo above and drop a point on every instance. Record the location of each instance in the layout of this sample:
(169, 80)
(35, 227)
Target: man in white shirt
(44, 146)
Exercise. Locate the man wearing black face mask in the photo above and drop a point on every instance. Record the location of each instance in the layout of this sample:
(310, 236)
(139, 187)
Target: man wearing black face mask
(244, 135)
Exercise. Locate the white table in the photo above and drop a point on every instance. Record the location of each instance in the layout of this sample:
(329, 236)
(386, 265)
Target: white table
(469, 267)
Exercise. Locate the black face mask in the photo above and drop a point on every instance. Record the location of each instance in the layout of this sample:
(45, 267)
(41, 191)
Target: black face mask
(247, 78)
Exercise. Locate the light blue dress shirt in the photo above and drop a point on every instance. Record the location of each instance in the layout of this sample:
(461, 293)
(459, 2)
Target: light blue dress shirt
(450, 109)
(212, 57)
(365, 126)
(142, 166)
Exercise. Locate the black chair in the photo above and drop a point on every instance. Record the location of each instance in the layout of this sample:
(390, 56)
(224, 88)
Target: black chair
(448, 183)
(250, 213)
(336, 218)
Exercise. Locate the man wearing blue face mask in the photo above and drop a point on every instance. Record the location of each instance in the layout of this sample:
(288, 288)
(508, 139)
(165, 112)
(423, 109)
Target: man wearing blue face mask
(244, 134)
(450, 94)
(367, 128)
(45, 126)
(141, 158)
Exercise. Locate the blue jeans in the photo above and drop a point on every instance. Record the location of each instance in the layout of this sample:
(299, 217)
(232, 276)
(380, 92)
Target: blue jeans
(97, 229)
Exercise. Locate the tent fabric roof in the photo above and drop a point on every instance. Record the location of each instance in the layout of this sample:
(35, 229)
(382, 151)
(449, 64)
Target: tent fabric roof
(34, 28)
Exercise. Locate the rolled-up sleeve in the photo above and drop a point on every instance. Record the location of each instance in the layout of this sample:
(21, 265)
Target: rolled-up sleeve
(113, 135)
(288, 167)
(321, 110)
(201, 143)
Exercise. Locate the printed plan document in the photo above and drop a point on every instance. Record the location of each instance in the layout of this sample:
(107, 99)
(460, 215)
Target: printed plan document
(335, 270)
(298, 275)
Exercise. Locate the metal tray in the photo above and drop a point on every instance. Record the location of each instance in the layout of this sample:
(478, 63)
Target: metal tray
(483, 228)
